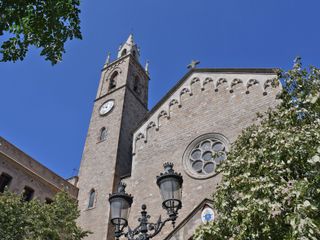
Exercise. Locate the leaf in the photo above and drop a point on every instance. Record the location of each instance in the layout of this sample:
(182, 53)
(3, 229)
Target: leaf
(47, 25)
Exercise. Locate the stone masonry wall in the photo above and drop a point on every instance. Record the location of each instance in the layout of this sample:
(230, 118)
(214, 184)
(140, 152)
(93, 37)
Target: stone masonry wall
(105, 162)
(98, 166)
(224, 107)
(25, 171)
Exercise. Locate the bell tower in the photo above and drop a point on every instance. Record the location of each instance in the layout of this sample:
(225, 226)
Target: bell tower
(120, 104)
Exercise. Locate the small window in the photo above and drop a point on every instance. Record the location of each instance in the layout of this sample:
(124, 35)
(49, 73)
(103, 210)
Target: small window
(134, 53)
(27, 193)
(92, 196)
(113, 80)
(103, 134)
(136, 84)
(5, 180)
(48, 201)
(124, 52)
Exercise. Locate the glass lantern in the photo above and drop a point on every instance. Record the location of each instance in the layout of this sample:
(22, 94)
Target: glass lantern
(120, 204)
(170, 185)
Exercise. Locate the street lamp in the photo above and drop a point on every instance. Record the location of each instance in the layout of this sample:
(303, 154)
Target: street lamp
(170, 185)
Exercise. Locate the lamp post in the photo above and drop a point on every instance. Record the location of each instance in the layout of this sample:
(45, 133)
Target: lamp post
(170, 185)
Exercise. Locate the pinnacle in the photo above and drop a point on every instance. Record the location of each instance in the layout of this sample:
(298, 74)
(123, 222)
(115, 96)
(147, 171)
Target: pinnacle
(130, 40)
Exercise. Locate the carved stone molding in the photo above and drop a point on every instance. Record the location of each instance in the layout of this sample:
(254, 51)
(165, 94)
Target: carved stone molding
(222, 80)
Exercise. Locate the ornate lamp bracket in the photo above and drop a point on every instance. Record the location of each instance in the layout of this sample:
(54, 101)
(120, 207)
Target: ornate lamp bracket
(145, 230)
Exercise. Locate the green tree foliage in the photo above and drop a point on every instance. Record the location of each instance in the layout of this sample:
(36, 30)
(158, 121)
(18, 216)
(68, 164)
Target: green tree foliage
(20, 220)
(45, 24)
(271, 180)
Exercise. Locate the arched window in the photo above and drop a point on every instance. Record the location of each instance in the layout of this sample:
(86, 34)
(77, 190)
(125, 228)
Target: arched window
(134, 53)
(124, 52)
(92, 196)
(103, 134)
(136, 84)
(113, 80)
(27, 194)
(5, 180)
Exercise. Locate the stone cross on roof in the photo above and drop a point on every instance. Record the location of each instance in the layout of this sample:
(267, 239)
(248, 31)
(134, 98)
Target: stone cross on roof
(193, 64)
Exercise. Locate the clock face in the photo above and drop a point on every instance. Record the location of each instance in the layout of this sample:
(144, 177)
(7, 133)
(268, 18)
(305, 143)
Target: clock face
(106, 107)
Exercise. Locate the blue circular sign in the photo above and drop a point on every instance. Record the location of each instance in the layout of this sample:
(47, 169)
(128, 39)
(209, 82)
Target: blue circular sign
(207, 215)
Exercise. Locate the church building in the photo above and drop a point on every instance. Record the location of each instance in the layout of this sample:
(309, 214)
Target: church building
(192, 126)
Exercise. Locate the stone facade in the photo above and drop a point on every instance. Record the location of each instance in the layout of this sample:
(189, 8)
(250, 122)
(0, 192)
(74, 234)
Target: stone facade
(220, 108)
(27, 172)
(205, 102)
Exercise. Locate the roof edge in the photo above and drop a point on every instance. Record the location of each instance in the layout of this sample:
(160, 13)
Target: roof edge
(9, 155)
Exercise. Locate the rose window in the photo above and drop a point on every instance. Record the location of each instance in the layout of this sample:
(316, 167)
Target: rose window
(203, 157)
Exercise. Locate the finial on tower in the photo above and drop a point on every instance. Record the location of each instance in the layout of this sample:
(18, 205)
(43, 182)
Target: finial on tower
(130, 39)
(146, 68)
(107, 60)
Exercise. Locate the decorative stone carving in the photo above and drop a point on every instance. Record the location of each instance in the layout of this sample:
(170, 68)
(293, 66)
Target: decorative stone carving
(194, 80)
(204, 154)
(173, 102)
(266, 85)
(185, 90)
(163, 113)
(227, 79)
(150, 125)
(139, 136)
(251, 83)
(206, 81)
(233, 83)
(220, 82)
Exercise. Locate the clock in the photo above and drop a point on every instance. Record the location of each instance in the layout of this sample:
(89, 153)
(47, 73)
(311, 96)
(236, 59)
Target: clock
(106, 107)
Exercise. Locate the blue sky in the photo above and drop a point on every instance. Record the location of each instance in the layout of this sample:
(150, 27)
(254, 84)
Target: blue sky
(45, 110)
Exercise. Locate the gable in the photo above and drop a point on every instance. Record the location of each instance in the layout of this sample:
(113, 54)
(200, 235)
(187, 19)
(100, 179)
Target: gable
(216, 79)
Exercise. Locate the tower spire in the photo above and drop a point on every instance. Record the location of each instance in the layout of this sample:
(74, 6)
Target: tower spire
(129, 47)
